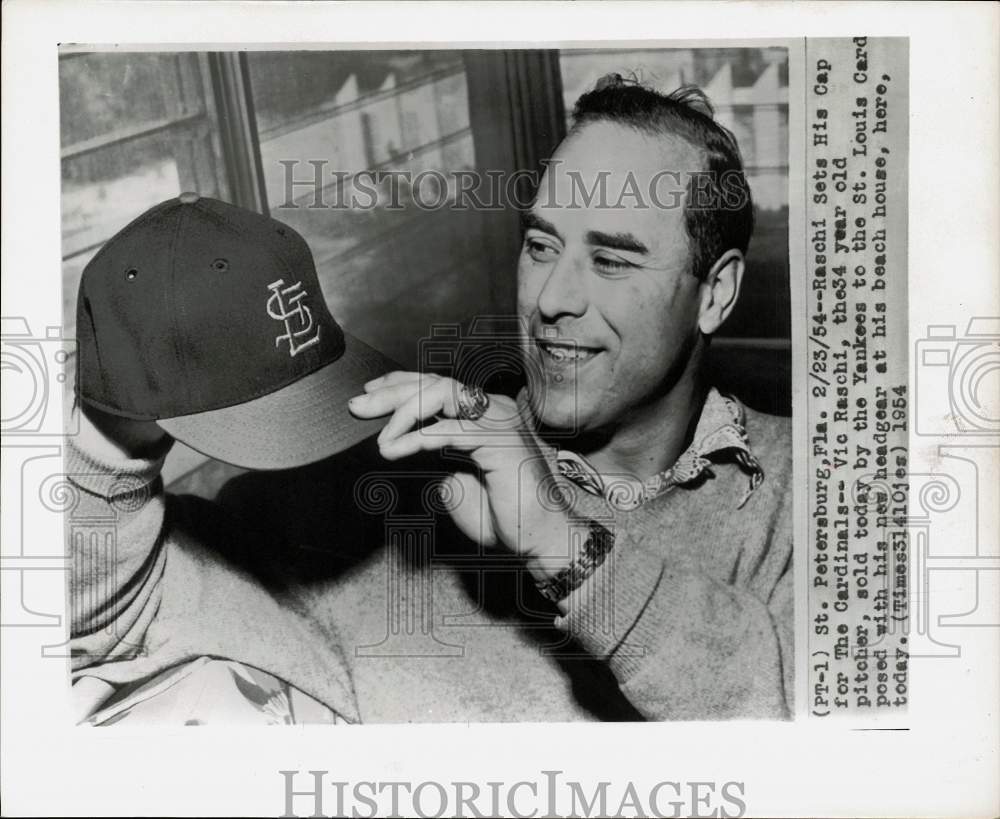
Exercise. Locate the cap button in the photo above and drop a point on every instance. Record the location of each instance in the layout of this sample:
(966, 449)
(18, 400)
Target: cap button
(189, 198)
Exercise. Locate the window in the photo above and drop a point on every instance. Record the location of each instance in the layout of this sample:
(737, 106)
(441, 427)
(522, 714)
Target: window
(401, 259)
(135, 129)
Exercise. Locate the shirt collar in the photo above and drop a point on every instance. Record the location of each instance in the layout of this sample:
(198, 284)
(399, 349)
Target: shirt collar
(720, 435)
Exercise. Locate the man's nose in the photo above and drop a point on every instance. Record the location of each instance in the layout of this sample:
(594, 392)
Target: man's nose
(565, 291)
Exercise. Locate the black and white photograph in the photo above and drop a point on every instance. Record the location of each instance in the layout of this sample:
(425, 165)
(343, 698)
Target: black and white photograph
(477, 369)
(500, 409)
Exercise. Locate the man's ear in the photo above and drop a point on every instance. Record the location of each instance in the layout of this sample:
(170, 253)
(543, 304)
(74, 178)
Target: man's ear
(720, 290)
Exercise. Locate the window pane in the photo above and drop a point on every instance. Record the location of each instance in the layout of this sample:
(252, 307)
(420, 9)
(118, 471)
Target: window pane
(749, 89)
(104, 93)
(104, 190)
(393, 260)
(136, 129)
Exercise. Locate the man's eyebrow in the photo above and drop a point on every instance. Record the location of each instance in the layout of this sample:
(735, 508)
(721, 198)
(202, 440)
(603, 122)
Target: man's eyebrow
(616, 241)
(530, 219)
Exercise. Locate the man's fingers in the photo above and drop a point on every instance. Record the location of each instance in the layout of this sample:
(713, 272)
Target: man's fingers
(447, 432)
(397, 377)
(428, 401)
(383, 400)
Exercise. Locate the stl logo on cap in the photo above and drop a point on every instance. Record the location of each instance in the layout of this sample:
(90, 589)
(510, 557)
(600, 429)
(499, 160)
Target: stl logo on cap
(151, 347)
(295, 315)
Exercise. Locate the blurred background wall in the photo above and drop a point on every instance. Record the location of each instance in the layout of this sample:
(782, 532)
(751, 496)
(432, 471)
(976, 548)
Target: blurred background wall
(137, 128)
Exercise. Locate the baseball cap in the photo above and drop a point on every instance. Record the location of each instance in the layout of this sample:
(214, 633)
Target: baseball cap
(209, 319)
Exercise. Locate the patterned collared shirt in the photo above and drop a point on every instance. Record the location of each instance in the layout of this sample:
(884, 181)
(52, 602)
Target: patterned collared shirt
(721, 432)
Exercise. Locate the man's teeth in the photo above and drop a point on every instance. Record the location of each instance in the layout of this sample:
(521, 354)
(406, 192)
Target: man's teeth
(563, 353)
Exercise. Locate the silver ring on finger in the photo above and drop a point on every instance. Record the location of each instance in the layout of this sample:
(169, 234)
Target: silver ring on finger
(471, 403)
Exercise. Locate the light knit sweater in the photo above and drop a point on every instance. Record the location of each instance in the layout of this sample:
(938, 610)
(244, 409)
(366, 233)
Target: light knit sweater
(347, 580)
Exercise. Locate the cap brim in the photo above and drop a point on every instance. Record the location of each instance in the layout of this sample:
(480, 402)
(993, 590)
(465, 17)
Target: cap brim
(303, 422)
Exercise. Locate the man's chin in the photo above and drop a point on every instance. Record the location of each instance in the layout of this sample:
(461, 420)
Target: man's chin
(560, 414)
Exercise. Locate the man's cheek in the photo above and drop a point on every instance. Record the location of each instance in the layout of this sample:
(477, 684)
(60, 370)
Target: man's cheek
(527, 289)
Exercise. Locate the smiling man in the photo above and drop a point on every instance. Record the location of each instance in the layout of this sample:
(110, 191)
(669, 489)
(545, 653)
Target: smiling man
(618, 316)
(652, 510)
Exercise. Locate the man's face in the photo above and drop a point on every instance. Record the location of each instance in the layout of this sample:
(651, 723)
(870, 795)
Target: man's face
(606, 290)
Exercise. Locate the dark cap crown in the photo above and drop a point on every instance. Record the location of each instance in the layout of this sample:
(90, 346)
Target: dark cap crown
(198, 305)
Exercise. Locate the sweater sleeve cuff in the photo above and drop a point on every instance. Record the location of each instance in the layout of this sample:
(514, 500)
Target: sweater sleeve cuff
(112, 479)
(605, 614)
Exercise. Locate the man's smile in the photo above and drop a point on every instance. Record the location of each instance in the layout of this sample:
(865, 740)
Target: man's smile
(557, 352)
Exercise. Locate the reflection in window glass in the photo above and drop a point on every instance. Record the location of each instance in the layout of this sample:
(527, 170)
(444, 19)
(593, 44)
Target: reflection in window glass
(104, 190)
(135, 129)
(748, 88)
(393, 259)
(111, 92)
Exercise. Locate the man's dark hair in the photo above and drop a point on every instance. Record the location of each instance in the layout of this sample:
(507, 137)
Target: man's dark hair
(718, 209)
